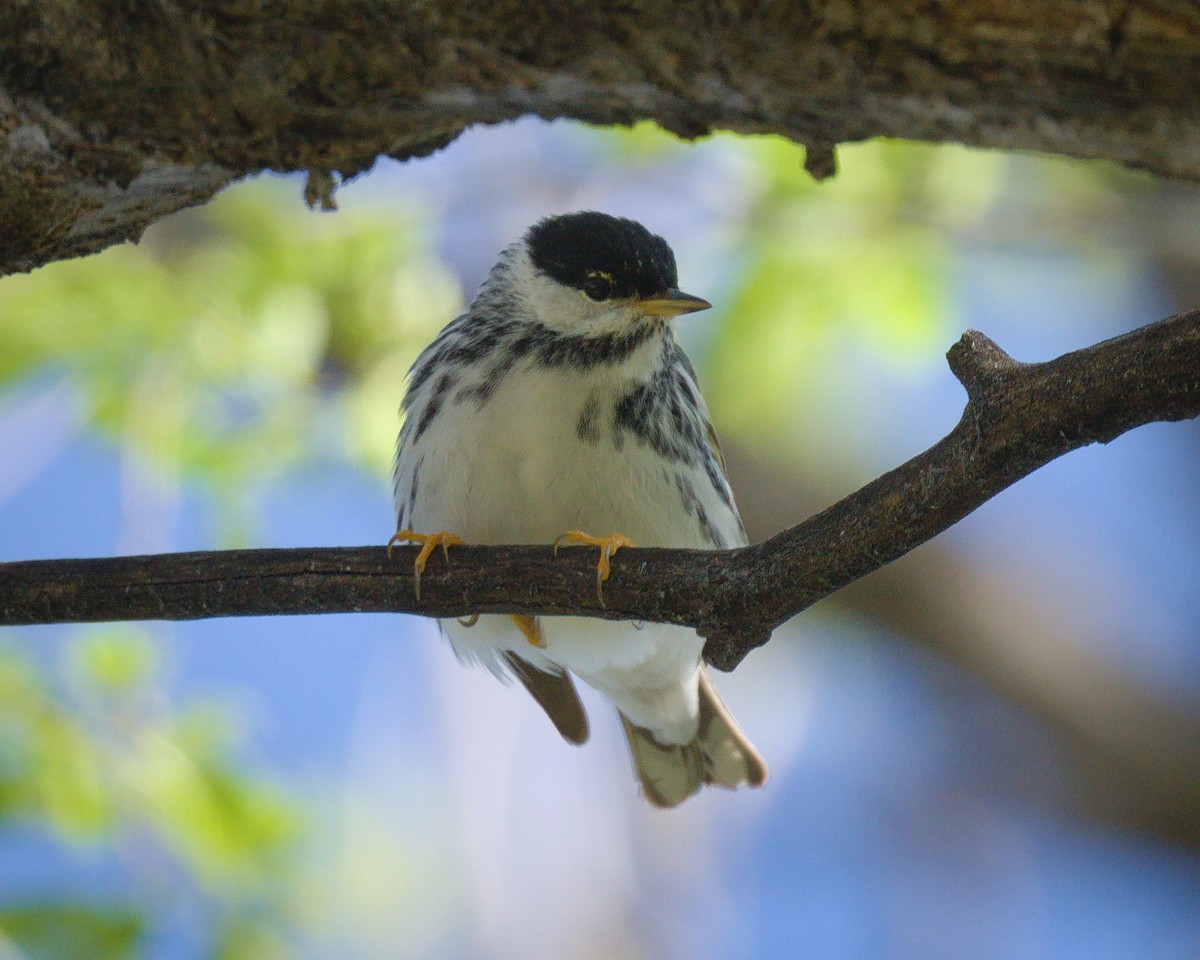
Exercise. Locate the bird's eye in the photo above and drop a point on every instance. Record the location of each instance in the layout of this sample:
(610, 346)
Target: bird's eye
(597, 287)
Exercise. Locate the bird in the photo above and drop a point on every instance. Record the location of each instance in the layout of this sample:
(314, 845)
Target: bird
(560, 409)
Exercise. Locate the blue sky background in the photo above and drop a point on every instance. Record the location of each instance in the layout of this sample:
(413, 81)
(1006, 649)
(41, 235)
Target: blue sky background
(450, 819)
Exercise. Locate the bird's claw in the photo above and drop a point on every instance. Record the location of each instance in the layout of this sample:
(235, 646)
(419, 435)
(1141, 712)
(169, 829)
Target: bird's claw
(429, 542)
(608, 546)
(531, 627)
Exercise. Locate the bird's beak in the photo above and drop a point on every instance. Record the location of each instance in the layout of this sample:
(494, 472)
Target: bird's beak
(672, 303)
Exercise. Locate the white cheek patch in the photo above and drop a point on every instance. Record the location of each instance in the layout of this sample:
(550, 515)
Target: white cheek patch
(569, 311)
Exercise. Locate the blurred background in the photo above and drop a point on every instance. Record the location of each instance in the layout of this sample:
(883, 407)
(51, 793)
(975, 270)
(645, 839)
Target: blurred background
(990, 749)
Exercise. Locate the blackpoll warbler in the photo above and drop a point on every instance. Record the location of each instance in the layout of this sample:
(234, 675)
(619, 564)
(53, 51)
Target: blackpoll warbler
(561, 403)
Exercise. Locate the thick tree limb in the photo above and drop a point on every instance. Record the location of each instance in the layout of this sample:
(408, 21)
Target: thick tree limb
(112, 115)
(1018, 417)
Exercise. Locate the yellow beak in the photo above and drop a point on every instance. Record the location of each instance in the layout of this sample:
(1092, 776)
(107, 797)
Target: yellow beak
(672, 303)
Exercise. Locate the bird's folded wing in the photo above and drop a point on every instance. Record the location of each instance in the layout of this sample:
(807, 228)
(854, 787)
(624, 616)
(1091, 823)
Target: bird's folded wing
(556, 694)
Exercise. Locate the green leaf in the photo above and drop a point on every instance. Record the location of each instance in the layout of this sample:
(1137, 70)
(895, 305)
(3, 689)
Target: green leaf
(70, 778)
(114, 660)
(72, 931)
(212, 348)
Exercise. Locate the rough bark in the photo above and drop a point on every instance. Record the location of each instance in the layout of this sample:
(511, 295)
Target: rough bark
(115, 114)
(1018, 417)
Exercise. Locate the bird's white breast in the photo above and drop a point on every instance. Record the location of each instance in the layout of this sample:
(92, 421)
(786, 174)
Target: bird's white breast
(516, 470)
(519, 468)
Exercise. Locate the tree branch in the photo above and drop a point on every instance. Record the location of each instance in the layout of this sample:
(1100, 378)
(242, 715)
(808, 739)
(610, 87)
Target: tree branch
(1018, 417)
(112, 115)
(1132, 751)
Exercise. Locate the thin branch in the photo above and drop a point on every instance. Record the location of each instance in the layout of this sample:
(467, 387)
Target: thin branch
(1018, 417)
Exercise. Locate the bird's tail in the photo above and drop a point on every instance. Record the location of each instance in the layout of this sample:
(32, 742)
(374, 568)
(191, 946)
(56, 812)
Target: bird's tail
(719, 755)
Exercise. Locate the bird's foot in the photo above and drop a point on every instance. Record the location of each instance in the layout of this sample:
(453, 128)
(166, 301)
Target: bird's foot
(532, 628)
(608, 546)
(429, 542)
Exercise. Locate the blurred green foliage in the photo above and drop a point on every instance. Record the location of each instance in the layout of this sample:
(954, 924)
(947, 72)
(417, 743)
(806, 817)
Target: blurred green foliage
(64, 931)
(854, 268)
(239, 338)
(251, 335)
(98, 759)
(232, 343)
(859, 260)
(246, 336)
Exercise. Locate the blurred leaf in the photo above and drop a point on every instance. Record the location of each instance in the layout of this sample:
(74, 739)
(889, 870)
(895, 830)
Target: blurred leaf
(641, 144)
(114, 767)
(19, 701)
(213, 346)
(70, 777)
(72, 931)
(830, 272)
(248, 938)
(228, 829)
(114, 661)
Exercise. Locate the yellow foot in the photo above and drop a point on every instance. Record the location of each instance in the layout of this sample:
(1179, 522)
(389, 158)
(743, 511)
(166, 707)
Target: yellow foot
(608, 546)
(429, 542)
(532, 628)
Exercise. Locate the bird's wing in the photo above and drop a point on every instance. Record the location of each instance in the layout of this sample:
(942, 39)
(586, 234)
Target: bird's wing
(556, 694)
(715, 445)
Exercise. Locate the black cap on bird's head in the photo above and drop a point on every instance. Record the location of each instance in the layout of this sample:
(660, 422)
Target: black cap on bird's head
(610, 258)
